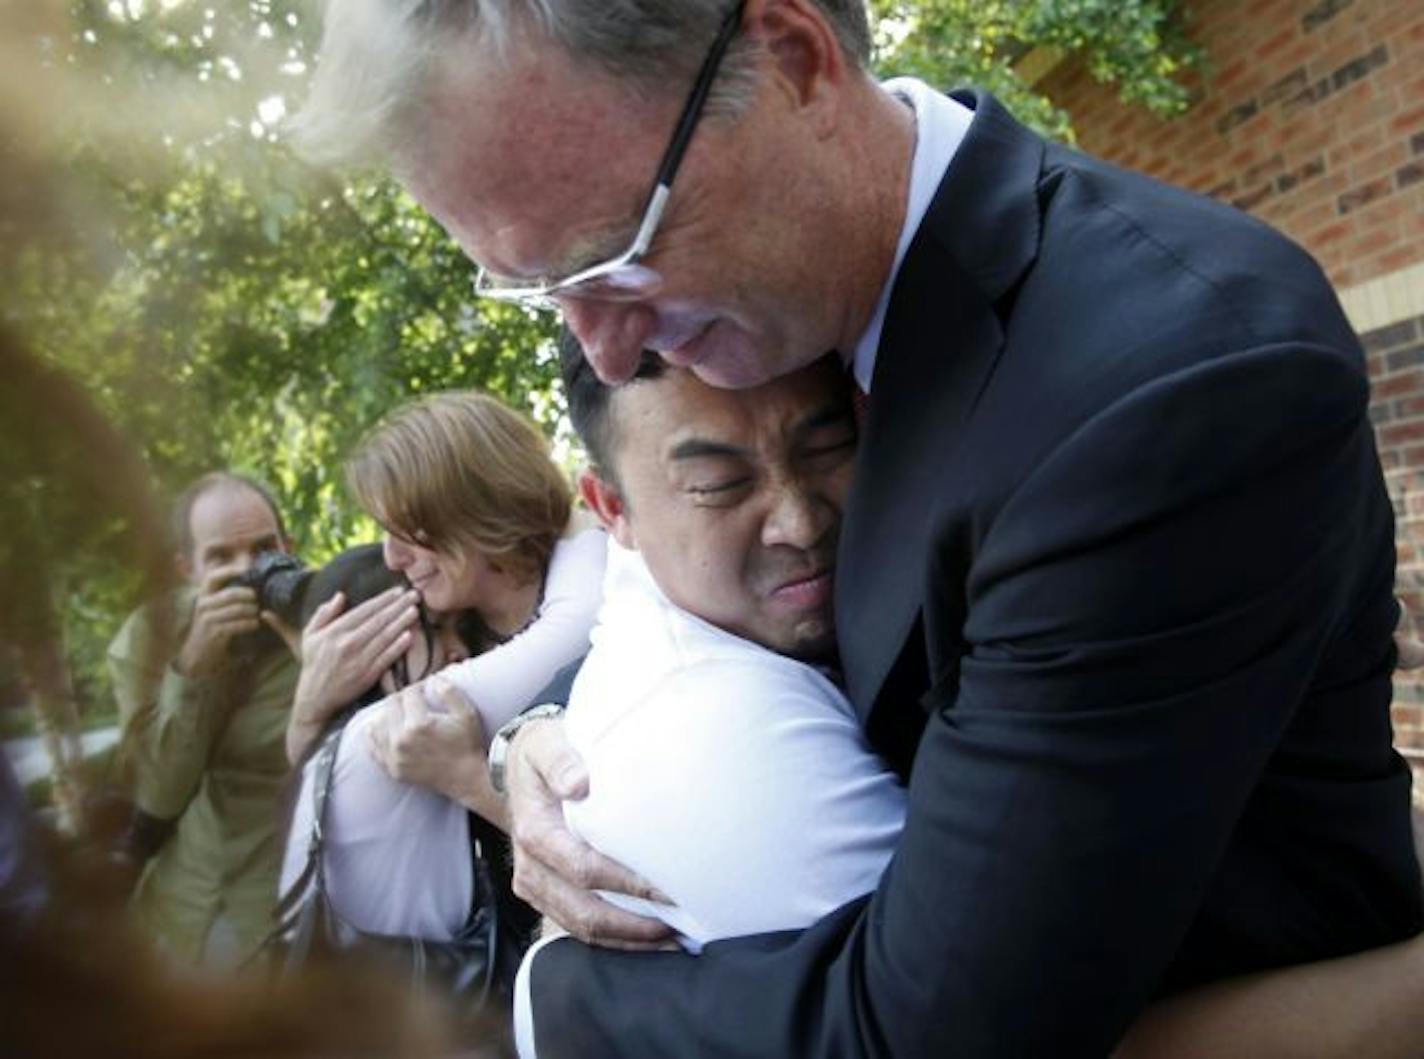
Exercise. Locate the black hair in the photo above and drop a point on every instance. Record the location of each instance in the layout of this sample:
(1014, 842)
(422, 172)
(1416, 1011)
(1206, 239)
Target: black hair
(588, 397)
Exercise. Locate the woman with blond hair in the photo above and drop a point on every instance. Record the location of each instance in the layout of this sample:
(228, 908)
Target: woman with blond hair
(477, 519)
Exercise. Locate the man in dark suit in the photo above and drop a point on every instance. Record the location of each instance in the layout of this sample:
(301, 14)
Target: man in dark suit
(1116, 577)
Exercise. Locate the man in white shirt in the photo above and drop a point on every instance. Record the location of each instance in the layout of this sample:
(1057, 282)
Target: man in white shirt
(724, 764)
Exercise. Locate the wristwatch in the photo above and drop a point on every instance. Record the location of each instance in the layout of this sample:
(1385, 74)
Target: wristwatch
(499, 745)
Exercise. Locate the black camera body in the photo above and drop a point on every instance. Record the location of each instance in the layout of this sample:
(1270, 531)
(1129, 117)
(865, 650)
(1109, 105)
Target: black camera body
(280, 581)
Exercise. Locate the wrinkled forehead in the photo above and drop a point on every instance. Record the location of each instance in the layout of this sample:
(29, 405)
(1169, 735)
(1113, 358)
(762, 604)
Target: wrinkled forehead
(229, 510)
(656, 415)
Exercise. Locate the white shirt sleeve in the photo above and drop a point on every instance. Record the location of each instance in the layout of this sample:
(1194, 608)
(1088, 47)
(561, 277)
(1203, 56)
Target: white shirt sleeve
(503, 681)
(744, 792)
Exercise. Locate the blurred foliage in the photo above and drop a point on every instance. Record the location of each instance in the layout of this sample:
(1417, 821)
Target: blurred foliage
(1138, 46)
(227, 306)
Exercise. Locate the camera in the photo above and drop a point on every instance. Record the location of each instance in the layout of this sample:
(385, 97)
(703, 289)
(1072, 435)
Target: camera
(280, 581)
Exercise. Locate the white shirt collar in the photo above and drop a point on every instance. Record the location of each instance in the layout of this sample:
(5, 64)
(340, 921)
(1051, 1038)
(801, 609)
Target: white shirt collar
(940, 126)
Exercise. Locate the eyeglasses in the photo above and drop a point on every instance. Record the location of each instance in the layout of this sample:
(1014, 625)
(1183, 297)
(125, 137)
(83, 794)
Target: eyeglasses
(622, 277)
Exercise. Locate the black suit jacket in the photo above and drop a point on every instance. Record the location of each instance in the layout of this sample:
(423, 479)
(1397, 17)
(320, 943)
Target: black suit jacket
(1115, 594)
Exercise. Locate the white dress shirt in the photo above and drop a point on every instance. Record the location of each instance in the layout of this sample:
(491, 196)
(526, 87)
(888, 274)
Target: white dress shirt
(940, 126)
(736, 780)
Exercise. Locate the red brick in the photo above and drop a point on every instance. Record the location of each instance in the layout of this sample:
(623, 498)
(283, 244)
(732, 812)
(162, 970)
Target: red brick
(1123, 124)
(1299, 53)
(1343, 48)
(1340, 276)
(1385, 160)
(1396, 259)
(1386, 211)
(1361, 144)
(1411, 93)
(1409, 121)
(1312, 214)
(1396, 434)
(1229, 75)
(1372, 242)
(1409, 406)
(1404, 382)
(1332, 233)
(1301, 129)
(1395, 17)
(1276, 43)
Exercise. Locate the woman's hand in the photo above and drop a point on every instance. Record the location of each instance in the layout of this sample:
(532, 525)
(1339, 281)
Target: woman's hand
(554, 870)
(343, 655)
(441, 748)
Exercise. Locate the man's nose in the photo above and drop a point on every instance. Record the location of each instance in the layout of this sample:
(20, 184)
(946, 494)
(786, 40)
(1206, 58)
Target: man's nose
(799, 517)
(612, 334)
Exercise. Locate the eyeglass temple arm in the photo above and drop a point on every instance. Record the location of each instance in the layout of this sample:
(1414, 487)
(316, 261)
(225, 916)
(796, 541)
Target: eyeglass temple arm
(696, 99)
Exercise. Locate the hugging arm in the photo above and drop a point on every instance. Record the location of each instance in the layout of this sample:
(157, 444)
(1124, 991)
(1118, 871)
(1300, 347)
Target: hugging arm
(444, 747)
(505, 680)
(1145, 617)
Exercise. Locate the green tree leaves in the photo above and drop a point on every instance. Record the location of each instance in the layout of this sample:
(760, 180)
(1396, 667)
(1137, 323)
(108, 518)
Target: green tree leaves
(226, 305)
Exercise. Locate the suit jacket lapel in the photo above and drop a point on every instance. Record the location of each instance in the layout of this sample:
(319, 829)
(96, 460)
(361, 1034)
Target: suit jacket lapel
(941, 339)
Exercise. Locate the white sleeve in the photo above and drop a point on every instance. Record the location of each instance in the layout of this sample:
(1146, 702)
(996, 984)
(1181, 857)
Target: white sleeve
(746, 794)
(503, 681)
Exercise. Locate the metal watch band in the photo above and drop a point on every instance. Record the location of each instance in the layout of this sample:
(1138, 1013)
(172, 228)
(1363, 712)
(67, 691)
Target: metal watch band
(499, 745)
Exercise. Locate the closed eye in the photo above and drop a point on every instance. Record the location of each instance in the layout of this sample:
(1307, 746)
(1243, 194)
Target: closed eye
(715, 488)
(830, 450)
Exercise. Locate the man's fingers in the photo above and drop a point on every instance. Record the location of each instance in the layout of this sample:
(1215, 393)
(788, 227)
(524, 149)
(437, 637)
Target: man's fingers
(227, 628)
(410, 706)
(378, 739)
(540, 746)
(547, 841)
(585, 915)
(443, 692)
(227, 599)
(214, 580)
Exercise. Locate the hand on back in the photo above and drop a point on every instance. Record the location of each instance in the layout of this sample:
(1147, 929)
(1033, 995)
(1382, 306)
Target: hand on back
(554, 870)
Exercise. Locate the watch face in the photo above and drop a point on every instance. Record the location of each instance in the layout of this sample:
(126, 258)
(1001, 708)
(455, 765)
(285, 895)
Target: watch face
(499, 745)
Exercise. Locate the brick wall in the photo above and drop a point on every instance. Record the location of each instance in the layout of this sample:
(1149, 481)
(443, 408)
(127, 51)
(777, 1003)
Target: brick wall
(1311, 116)
(1396, 353)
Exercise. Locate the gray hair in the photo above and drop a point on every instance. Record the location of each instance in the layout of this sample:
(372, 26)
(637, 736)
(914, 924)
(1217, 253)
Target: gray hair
(380, 58)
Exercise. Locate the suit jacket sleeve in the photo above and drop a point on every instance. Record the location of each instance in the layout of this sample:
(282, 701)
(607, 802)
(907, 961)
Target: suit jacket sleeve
(1144, 614)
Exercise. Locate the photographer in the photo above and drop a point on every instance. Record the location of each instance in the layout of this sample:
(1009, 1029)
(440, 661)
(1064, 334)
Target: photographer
(202, 730)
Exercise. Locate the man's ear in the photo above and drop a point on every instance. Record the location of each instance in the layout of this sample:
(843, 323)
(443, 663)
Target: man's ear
(605, 501)
(806, 59)
(184, 565)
